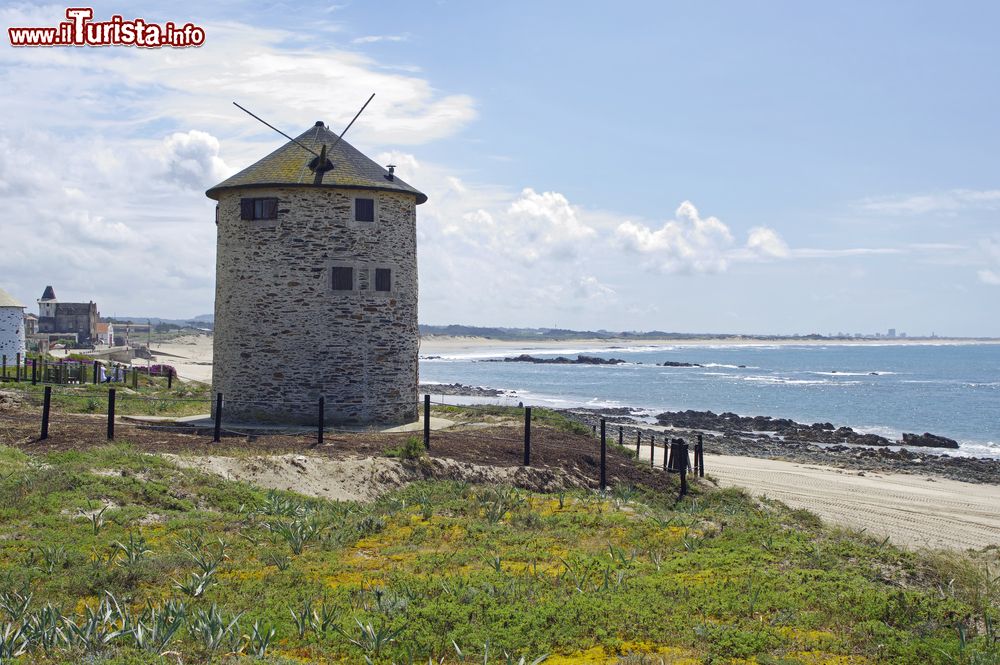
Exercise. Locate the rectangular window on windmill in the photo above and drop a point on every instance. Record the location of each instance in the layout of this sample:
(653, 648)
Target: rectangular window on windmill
(364, 210)
(383, 279)
(343, 278)
(263, 208)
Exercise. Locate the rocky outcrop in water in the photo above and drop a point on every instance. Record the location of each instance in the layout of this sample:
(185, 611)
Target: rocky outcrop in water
(929, 440)
(562, 360)
(461, 389)
(761, 443)
(788, 430)
(674, 363)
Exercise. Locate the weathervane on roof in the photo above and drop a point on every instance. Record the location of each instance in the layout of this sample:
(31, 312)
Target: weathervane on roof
(319, 164)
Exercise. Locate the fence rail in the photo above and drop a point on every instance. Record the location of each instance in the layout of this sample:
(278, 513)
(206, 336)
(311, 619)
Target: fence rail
(677, 455)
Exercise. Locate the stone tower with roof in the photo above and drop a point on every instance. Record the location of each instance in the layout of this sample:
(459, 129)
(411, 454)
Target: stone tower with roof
(11, 327)
(316, 287)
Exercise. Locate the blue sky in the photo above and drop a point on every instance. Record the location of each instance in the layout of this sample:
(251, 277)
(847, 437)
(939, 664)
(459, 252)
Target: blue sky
(779, 167)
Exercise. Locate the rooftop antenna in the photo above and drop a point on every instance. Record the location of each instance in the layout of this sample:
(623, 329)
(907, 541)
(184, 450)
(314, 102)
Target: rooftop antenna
(320, 164)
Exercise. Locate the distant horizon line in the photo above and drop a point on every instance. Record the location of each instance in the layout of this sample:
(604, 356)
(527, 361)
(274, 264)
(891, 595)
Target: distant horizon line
(527, 332)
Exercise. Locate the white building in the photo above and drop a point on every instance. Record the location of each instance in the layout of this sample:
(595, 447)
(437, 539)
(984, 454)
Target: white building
(11, 327)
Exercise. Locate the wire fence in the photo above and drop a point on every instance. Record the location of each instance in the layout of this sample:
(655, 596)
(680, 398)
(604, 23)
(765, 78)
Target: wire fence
(500, 434)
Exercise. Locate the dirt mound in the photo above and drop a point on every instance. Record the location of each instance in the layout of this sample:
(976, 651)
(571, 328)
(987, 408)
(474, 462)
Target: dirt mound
(367, 478)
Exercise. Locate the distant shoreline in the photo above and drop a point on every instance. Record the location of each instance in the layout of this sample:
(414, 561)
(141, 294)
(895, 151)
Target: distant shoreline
(432, 344)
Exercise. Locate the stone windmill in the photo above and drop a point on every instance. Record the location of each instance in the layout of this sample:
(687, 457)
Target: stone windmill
(316, 287)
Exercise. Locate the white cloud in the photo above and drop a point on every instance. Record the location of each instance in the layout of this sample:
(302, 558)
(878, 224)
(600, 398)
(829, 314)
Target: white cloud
(373, 39)
(588, 287)
(766, 243)
(990, 248)
(820, 253)
(192, 160)
(688, 243)
(951, 202)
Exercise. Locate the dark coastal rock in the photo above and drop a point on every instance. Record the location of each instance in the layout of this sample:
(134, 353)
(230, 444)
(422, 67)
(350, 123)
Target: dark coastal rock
(929, 440)
(462, 390)
(789, 430)
(674, 363)
(562, 360)
(857, 458)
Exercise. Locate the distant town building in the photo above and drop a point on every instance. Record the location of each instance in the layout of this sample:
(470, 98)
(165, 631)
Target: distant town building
(106, 333)
(11, 327)
(316, 287)
(892, 332)
(30, 325)
(77, 320)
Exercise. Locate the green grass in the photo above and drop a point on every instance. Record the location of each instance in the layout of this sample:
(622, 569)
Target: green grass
(152, 398)
(628, 576)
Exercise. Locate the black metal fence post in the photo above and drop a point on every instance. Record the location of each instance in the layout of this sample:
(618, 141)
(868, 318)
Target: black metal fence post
(170, 378)
(111, 413)
(682, 450)
(46, 404)
(5, 365)
(700, 456)
(34, 371)
(604, 458)
(96, 371)
(527, 436)
(652, 450)
(621, 436)
(638, 441)
(668, 449)
(17, 368)
(322, 417)
(218, 418)
(427, 422)
(135, 378)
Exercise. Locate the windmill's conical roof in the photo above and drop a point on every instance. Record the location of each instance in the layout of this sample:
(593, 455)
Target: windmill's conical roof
(7, 300)
(289, 166)
(49, 293)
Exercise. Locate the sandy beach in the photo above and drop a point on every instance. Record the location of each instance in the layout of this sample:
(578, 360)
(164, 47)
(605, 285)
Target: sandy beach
(442, 345)
(190, 355)
(916, 511)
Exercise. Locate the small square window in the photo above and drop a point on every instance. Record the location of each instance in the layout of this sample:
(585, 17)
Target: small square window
(343, 278)
(383, 279)
(364, 210)
(265, 208)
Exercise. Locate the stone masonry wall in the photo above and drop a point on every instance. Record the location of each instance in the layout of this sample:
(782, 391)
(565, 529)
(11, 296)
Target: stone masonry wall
(283, 337)
(11, 333)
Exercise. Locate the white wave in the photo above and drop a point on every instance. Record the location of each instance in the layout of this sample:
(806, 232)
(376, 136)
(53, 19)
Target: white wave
(730, 366)
(977, 449)
(715, 374)
(838, 373)
(784, 380)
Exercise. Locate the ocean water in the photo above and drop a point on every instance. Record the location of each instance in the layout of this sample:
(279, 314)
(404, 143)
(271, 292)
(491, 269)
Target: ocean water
(951, 390)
